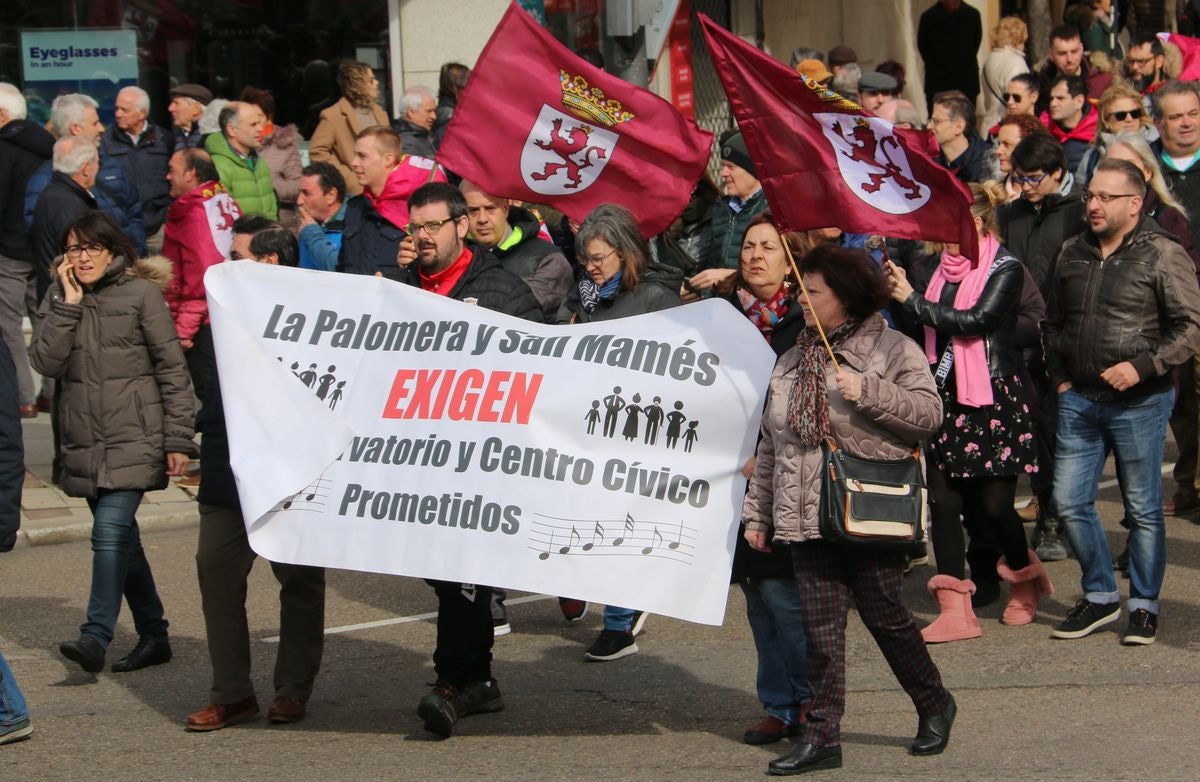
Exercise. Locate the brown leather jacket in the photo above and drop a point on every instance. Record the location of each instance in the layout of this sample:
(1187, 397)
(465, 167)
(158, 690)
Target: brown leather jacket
(898, 409)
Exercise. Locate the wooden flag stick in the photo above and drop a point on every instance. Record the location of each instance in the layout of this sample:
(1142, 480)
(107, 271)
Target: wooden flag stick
(804, 291)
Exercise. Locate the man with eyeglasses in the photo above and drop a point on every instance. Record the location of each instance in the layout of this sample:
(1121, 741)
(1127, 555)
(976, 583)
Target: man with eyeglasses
(1124, 310)
(375, 220)
(1144, 64)
(445, 263)
(1034, 228)
(1176, 109)
(1071, 119)
(1067, 58)
(962, 150)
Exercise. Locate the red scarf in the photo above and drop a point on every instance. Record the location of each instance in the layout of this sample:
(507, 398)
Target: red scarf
(444, 281)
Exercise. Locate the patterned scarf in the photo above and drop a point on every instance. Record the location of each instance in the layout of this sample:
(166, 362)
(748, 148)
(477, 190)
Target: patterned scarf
(808, 405)
(765, 315)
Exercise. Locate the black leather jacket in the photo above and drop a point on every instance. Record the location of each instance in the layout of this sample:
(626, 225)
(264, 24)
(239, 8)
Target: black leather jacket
(1141, 304)
(994, 316)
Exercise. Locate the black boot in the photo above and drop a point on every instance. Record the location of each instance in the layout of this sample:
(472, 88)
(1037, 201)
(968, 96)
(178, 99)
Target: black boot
(86, 651)
(805, 757)
(149, 651)
(933, 732)
(983, 573)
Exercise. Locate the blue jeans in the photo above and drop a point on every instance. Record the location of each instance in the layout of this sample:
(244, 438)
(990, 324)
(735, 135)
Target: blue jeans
(119, 567)
(616, 618)
(12, 703)
(1136, 432)
(777, 624)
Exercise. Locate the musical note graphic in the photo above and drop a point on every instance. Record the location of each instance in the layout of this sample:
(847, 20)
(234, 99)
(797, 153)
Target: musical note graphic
(597, 532)
(629, 522)
(574, 540)
(546, 554)
(310, 498)
(650, 548)
(674, 544)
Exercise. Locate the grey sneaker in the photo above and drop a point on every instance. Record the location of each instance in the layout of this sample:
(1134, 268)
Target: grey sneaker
(1143, 627)
(16, 732)
(1086, 617)
(481, 698)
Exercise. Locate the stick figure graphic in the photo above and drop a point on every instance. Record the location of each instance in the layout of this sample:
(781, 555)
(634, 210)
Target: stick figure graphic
(296, 368)
(654, 419)
(336, 396)
(690, 436)
(327, 381)
(593, 416)
(613, 405)
(675, 421)
(309, 376)
(631, 420)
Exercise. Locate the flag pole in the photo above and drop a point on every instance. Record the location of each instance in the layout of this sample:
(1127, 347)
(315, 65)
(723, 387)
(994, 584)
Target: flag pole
(804, 291)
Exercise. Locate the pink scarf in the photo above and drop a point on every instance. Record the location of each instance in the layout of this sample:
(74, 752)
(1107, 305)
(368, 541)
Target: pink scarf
(972, 380)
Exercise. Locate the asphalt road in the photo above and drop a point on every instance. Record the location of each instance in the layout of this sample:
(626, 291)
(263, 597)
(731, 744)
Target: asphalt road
(1029, 706)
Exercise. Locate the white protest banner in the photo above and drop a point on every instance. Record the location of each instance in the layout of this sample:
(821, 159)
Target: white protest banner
(377, 427)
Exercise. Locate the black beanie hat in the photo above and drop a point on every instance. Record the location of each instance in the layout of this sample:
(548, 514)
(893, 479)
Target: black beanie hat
(734, 150)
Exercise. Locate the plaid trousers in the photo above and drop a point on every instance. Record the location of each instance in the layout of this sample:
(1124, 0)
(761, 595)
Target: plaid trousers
(826, 575)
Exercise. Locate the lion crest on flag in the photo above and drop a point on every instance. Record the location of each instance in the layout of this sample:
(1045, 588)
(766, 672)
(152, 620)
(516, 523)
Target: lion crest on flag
(873, 162)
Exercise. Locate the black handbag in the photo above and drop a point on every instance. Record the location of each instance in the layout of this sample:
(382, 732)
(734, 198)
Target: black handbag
(877, 504)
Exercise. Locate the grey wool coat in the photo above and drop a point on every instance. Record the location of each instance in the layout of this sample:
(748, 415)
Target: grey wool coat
(899, 408)
(125, 397)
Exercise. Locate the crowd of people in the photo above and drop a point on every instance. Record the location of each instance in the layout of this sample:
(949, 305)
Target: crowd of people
(1072, 336)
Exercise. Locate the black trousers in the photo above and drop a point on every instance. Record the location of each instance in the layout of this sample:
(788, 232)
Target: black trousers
(464, 633)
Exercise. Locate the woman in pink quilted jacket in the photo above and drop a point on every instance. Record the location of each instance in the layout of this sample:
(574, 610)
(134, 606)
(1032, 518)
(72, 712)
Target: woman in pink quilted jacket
(879, 403)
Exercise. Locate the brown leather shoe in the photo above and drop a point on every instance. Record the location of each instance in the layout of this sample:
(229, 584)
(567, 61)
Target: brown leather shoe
(216, 716)
(286, 710)
(29, 411)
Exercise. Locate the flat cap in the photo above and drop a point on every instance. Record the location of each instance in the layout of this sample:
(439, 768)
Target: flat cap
(196, 92)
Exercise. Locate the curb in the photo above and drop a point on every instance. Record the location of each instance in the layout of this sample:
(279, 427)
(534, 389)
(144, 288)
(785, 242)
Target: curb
(70, 533)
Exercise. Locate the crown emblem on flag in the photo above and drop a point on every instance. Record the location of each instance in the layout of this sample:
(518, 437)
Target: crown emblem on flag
(588, 102)
(827, 95)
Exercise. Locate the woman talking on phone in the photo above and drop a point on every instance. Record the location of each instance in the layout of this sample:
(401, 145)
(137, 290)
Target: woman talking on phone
(125, 416)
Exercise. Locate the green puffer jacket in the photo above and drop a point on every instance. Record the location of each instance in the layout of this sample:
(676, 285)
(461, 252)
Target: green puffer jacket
(125, 398)
(728, 227)
(250, 187)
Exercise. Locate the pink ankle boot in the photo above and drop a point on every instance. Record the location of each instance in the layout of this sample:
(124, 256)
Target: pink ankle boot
(957, 621)
(1029, 584)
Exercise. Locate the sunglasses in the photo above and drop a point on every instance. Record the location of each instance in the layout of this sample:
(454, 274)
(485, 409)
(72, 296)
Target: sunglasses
(1014, 97)
(1121, 116)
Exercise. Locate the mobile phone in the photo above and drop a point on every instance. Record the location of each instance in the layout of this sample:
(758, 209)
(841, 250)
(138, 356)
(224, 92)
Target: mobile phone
(71, 277)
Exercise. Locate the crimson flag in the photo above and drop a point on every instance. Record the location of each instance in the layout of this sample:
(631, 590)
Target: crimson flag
(537, 123)
(824, 161)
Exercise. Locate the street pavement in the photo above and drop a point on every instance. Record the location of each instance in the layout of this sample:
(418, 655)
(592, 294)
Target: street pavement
(1030, 707)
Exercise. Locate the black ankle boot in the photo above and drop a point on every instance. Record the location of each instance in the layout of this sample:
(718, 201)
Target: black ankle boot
(805, 757)
(149, 651)
(933, 732)
(86, 651)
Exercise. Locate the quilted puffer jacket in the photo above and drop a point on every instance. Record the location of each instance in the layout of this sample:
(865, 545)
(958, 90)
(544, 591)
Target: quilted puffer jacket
(125, 398)
(899, 408)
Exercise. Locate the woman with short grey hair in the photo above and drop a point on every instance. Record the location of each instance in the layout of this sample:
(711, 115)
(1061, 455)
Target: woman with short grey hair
(616, 278)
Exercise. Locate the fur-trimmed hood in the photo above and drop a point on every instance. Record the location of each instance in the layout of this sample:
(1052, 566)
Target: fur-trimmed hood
(155, 268)
(284, 137)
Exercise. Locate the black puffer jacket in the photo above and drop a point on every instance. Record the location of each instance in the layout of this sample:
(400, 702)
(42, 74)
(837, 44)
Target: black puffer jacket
(994, 316)
(125, 399)
(658, 289)
(494, 288)
(536, 261)
(370, 242)
(12, 452)
(1141, 304)
(24, 147)
(1036, 234)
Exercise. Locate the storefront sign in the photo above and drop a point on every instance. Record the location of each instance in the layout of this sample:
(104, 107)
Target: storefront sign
(97, 63)
(377, 427)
